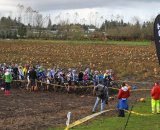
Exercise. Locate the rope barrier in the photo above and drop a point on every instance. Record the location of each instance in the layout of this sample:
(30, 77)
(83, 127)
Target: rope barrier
(80, 121)
(139, 114)
(91, 86)
(86, 119)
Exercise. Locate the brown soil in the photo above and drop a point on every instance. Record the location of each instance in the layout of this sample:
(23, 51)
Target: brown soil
(42, 110)
(139, 62)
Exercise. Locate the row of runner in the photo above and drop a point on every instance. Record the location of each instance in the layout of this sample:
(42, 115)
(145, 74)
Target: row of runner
(70, 76)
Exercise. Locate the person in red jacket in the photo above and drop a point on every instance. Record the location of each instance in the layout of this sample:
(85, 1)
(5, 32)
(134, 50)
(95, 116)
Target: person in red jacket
(155, 94)
(123, 95)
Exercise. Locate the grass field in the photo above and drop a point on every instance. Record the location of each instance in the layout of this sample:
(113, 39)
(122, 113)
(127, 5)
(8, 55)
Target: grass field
(136, 122)
(110, 42)
(139, 43)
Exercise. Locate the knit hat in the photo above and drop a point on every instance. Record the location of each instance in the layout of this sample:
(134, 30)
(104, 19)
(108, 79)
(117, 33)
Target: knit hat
(156, 83)
(124, 88)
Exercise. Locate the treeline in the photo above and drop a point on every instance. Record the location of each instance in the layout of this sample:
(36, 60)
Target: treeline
(10, 28)
(119, 30)
(114, 30)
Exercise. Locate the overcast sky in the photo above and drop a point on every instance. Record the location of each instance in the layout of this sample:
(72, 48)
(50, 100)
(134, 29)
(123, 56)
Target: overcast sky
(87, 10)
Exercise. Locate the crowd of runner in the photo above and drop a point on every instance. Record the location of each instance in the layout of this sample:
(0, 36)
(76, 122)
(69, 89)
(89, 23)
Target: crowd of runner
(70, 76)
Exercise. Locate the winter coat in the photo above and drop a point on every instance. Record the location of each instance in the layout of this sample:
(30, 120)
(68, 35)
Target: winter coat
(155, 92)
(7, 77)
(32, 74)
(101, 91)
(123, 92)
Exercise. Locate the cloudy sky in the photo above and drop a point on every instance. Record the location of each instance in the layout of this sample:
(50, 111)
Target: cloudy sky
(87, 11)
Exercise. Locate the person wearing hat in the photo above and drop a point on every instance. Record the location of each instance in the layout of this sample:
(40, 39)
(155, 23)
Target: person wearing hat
(155, 94)
(8, 79)
(123, 95)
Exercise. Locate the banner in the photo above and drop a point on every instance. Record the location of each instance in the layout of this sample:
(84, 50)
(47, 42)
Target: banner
(157, 36)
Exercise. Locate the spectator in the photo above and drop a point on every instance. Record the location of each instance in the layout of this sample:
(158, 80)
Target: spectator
(155, 94)
(123, 95)
(101, 92)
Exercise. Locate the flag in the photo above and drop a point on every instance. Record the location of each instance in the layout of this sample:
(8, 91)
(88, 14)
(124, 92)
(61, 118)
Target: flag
(157, 36)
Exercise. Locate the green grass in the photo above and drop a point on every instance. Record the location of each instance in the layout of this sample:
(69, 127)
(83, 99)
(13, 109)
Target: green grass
(138, 43)
(136, 122)
(85, 42)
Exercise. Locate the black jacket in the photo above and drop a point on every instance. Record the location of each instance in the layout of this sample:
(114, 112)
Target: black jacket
(32, 74)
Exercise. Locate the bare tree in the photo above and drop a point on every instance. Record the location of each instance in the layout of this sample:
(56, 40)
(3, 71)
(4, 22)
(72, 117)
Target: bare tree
(20, 11)
(135, 20)
(39, 23)
(34, 17)
(67, 18)
(96, 18)
(75, 17)
(49, 23)
(118, 17)
(91, 15)
(29, 11)
(103, 22)
(112, 17)
(57, 19)
(10, 14)
(83, 20)
(39, 20)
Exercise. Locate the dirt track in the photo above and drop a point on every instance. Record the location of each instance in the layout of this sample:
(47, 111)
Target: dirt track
(42, 110)
(29, 111)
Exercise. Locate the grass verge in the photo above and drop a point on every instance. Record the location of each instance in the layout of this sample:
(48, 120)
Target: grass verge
(136, 122)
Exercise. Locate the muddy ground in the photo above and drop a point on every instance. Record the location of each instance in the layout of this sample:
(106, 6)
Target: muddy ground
(42, 110)
(25, 110)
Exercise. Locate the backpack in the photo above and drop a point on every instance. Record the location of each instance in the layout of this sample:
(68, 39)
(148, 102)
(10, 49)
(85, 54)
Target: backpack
(101, 91)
